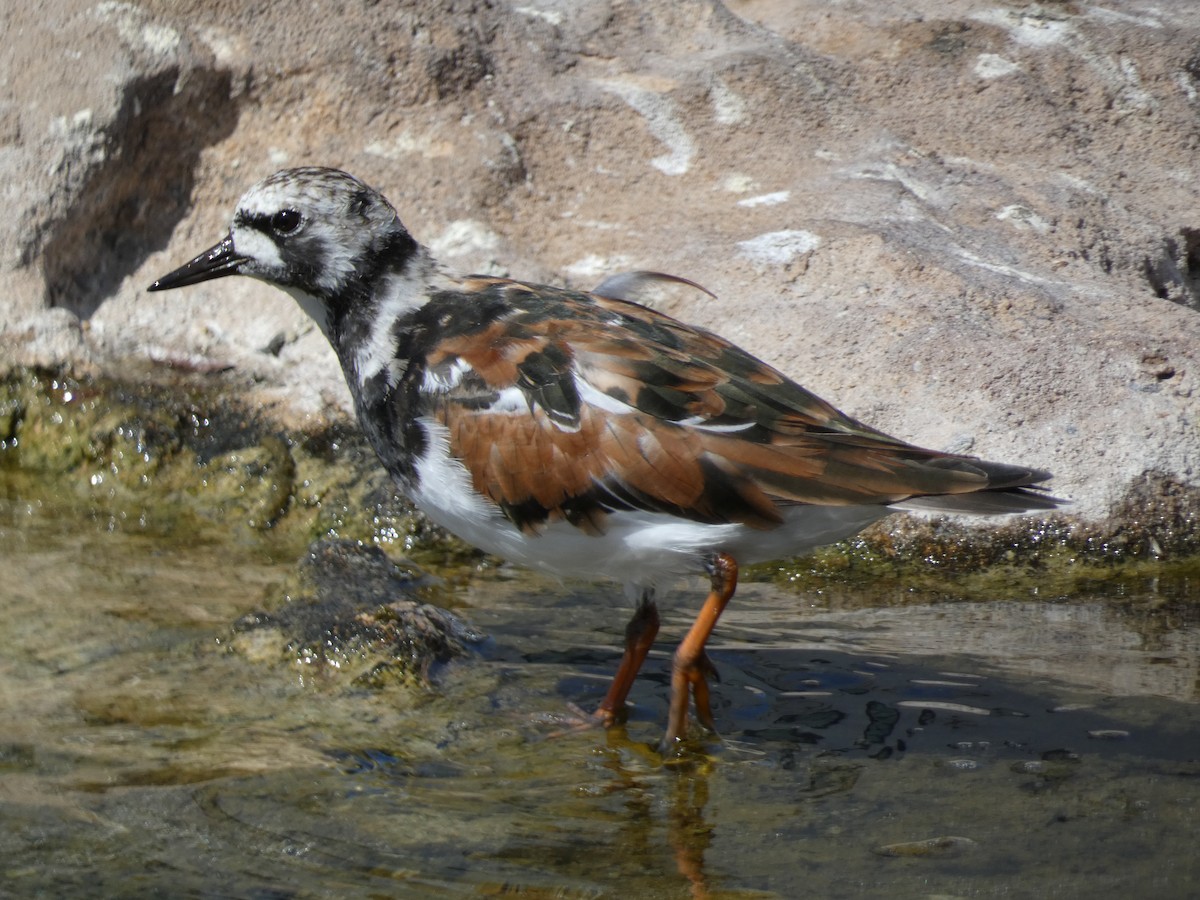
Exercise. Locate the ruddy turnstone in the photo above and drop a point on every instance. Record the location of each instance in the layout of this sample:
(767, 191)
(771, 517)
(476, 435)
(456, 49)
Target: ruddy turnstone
(581, 433)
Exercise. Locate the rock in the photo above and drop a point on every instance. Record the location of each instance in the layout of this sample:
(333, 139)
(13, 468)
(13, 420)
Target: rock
(973, 228)
(253, 485)
(105, 99)
(931, 848)
(166, 447)
(353, 612)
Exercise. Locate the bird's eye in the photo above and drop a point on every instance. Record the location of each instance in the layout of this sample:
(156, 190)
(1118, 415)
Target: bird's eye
(285, 221)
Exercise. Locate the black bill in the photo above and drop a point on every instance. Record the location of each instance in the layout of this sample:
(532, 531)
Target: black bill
(215, 262)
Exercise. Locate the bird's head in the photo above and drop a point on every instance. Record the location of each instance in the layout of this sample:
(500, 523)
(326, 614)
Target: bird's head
(320, 234)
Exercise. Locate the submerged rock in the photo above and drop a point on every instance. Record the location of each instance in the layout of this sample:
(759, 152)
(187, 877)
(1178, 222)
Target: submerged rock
(936, 847)
(352, 611)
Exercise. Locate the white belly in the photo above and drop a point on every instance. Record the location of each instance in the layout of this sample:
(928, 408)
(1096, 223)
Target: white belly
(637, 548)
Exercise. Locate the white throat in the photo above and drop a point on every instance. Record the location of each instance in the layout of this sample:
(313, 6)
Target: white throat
(314, 307)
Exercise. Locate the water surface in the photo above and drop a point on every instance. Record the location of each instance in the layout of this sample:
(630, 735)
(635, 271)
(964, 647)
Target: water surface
(1013, 747)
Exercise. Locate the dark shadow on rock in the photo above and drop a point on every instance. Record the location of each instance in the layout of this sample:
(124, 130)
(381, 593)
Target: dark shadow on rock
(130, 201)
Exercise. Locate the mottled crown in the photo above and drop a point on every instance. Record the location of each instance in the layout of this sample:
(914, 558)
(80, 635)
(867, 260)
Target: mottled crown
(317, 230)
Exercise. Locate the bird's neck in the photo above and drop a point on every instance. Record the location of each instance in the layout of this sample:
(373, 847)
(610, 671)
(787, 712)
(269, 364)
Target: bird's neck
(362, 321)
(370, 333)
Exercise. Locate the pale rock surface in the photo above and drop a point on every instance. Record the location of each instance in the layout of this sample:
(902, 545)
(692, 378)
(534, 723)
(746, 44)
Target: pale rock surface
(972, 225)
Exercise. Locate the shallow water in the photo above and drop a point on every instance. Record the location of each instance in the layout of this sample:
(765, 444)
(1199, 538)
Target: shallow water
(1011, 747)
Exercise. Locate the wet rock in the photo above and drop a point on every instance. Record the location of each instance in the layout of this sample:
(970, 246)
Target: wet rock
(1108, 734)
(178, 448)
(930, 848)
(353, 612)
(1051, 770)
(255, 484)
(963, 765)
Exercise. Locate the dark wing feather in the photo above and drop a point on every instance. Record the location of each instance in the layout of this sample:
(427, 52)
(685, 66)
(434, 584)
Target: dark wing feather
(681, 421)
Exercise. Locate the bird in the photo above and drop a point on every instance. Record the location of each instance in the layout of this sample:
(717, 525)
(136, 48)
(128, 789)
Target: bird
(580, 433)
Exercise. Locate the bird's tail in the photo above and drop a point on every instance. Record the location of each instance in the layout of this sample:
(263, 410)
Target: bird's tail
(1010, 489)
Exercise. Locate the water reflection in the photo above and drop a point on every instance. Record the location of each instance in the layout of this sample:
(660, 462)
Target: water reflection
(1146, 643)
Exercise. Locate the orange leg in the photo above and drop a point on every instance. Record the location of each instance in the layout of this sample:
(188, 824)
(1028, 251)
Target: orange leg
(690, 666)
(639, 637)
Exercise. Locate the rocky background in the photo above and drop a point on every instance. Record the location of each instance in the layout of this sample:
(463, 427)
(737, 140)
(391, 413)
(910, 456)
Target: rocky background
(973, 225)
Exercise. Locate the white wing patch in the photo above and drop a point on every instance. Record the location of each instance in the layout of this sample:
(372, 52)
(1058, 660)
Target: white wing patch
(442, 379)
(700, 423)
(511, 400)
(600, 400)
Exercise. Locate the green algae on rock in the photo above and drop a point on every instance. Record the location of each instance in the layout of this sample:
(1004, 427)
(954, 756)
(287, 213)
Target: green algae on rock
(161, 451)
(352, 612)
